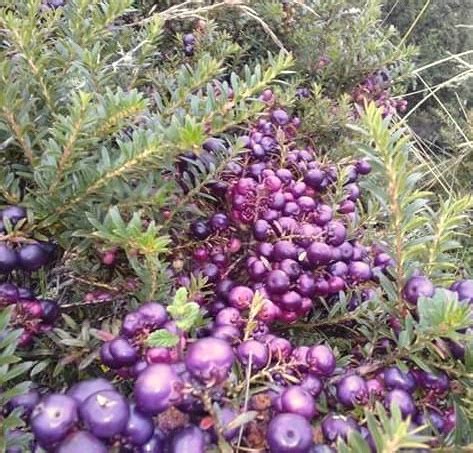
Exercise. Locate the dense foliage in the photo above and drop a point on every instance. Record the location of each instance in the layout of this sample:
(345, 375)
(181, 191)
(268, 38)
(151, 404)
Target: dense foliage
(217, 235)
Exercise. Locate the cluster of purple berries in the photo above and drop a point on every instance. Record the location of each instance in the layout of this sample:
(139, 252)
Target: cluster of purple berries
(279, 200)
(376, 88)
(34, 316)
(27, 256)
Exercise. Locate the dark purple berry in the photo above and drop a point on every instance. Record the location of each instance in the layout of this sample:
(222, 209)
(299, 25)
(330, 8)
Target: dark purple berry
(394, 378)
(157, 388)
(53, 418)
(81, 442)
(105, 413)
(297, 400)
(26, 401)
(240, 297)
(418, 287)
(321, 360)
(123, 353)
(9, 259)
(280, 117)
(255, 351)
(200, 229)
(13, 213)
(277, 282)
(289, 433)
(402, 400)
(319, 253)
(32, 257)
(189, 439)
(139, 428)
(82, 390)
(352, 390)
(335, 426)
(210, 359)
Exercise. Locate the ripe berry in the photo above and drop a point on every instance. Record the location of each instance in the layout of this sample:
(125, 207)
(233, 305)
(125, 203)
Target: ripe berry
(81, 442)
(9, 259)
(321, 360)
(335, 426)
(255, 351)
(156, 389)
(297, 400)
(53, 418)
(418, 287)
(139, 428)
(277, 282)
(289, 433)
(105, 413)
(402, 400)
(210, 359)
(122, 352)
(82, 390)
(240, 297)
(32, 257)
(394, 378)
(352, 390)
(189, 439)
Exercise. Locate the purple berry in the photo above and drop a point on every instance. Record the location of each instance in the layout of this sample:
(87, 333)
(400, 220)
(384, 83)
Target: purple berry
(240, 297)
(312, 384)
(464, 289)
(132, 323)
(402, 400)
(156, 389)
(105, 413)
(352, 390)
(82, 390)
(26, 401)
(297, 400)
(219, 222)
(336, 233)
(210, 359)
(359, 271)
(289, 433)
(50, 310)
(10, 292)
(335, 426)
(277, 282)
(229, 316)
(189, 439)
(153, 314)
(9, 259)
(363, 167)
(394, 378)
(81, 442)
(123, 353)
(321, 360)
(13, 213)
(280, 117)
(32, 256)
(156, 444)
(200, 229)
(53, 418)
(139, 428)
(283, 250)
(306, 285)
(319, 253)
(418, 287)
(254, 350)
(261, 230)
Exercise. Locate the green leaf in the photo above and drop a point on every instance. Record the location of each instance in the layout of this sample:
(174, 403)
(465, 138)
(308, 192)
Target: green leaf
(162, 338)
